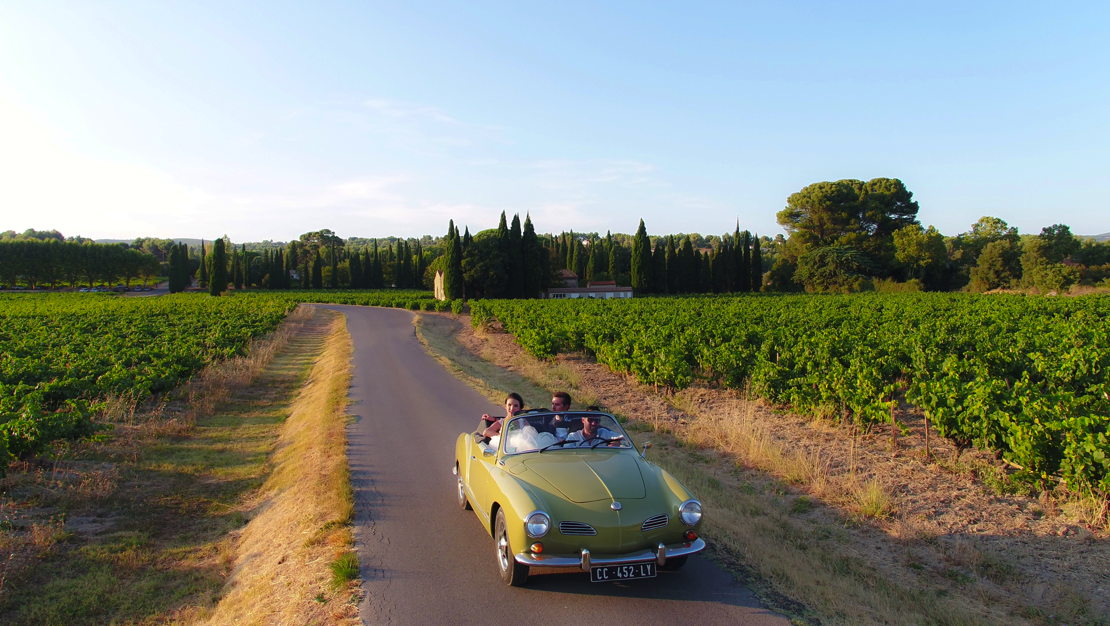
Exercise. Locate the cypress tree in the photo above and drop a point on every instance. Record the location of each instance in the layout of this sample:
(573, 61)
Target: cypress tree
(744, 271)
(217, 280)
(688, 281)
(466, 240)
(452, 274)
(659, 267)
(591, 261)
(203, 280)
(717, 268)
(614, 262)
(705, 272)
(757, 265)
(174, 270)
(674, 268)
(333, 280)
(236, 270)
(355, 269)
(376, 279)
(318, 271)
(514, 259)
(641, 260)
(531, 251)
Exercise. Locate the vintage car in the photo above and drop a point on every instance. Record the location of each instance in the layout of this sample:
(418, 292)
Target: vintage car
(569, 490)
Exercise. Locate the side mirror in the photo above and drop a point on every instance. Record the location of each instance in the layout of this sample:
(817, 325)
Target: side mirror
(647, 444)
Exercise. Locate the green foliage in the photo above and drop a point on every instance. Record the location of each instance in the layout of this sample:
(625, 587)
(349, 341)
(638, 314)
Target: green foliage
(641, 261)
(851, 213)
(344, 569)
(998, 266)
(836, 269)
(919, 250)
(1024, 376)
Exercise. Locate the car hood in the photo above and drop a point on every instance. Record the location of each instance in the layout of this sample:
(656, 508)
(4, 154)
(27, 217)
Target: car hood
(590, 476)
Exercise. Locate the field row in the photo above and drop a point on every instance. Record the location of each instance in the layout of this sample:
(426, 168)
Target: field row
(1022, 375)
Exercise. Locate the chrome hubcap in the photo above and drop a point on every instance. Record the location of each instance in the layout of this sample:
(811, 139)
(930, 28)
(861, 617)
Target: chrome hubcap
(462, 491)
(503, 551)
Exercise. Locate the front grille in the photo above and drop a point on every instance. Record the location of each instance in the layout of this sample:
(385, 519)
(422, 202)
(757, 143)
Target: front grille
(576, 528)
(652, 523)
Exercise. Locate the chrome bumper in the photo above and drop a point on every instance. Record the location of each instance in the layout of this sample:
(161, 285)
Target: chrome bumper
(585, 561)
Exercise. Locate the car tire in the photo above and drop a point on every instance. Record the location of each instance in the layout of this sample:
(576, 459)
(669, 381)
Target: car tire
(676, 563)
(464, 504)
(512, 573)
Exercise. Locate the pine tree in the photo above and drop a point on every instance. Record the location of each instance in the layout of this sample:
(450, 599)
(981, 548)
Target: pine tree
(757, 265)
(203, 280)
(641, 260)
(217, 279)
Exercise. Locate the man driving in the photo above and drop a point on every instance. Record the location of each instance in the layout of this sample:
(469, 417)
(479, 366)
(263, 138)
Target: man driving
(591, 432)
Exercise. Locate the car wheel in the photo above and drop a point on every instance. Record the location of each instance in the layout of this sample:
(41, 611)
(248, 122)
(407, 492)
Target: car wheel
(671, 565)
(512, 573)
(464, 504)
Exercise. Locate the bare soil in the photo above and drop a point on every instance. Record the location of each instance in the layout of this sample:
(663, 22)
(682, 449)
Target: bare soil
(952, 522)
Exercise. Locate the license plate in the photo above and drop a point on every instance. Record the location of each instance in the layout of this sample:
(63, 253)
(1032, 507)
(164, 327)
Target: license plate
(613, 573)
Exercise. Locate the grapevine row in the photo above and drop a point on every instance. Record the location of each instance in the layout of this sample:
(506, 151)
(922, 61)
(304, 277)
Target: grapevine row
(1022, 375)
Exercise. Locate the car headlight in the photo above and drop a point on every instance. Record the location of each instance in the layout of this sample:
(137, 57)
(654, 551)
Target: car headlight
(690, 512)
(537, 524)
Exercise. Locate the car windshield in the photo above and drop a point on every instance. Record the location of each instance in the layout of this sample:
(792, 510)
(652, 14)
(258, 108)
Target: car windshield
(562, 431)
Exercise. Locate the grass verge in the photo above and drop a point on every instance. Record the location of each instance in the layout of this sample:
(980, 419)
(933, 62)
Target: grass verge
(294, 562)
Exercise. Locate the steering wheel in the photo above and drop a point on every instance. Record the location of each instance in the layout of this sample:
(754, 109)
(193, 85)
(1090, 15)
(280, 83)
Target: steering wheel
(601, 440)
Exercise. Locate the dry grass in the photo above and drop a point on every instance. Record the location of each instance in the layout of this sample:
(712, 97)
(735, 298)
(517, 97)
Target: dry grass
(827, 524)
(278, 576)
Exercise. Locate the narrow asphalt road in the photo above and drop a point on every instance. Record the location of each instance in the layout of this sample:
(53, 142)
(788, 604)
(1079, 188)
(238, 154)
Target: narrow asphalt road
(425, 561)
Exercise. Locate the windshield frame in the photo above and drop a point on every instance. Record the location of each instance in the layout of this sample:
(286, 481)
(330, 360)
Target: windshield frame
(577, 414)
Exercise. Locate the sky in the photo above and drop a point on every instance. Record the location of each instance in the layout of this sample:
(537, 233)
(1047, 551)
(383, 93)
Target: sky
(270, 119)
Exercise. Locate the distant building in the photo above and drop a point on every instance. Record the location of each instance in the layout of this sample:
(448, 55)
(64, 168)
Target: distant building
(567, 278)
(440, 293)
(602, 289)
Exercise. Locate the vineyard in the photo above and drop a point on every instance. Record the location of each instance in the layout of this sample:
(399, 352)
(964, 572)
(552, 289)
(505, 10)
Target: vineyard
(63, 354)
(1027, 377)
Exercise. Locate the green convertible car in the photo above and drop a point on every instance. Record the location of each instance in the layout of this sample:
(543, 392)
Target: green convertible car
(568, 490)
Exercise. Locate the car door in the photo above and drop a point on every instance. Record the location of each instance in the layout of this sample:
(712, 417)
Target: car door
(479, 465)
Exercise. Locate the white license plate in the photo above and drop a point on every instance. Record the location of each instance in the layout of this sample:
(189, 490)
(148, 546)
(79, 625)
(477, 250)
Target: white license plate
(613, 573)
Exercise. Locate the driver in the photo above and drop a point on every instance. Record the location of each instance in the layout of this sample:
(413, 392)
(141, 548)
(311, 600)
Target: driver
(591, 431)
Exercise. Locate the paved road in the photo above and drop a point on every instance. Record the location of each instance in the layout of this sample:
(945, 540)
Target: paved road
(424, 560)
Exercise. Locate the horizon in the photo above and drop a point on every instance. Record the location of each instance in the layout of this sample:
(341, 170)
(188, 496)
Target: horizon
(133, 120)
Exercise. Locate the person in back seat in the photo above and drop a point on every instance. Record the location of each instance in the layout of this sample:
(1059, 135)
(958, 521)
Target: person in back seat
(491, 426)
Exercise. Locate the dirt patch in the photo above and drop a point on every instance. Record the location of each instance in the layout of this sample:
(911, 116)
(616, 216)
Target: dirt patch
(949, 525)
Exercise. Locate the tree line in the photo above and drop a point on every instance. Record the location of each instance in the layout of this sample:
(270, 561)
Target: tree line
(49, 262)
(851, 235)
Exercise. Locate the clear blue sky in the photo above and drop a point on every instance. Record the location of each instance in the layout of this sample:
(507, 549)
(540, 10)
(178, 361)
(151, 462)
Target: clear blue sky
(265, 120)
